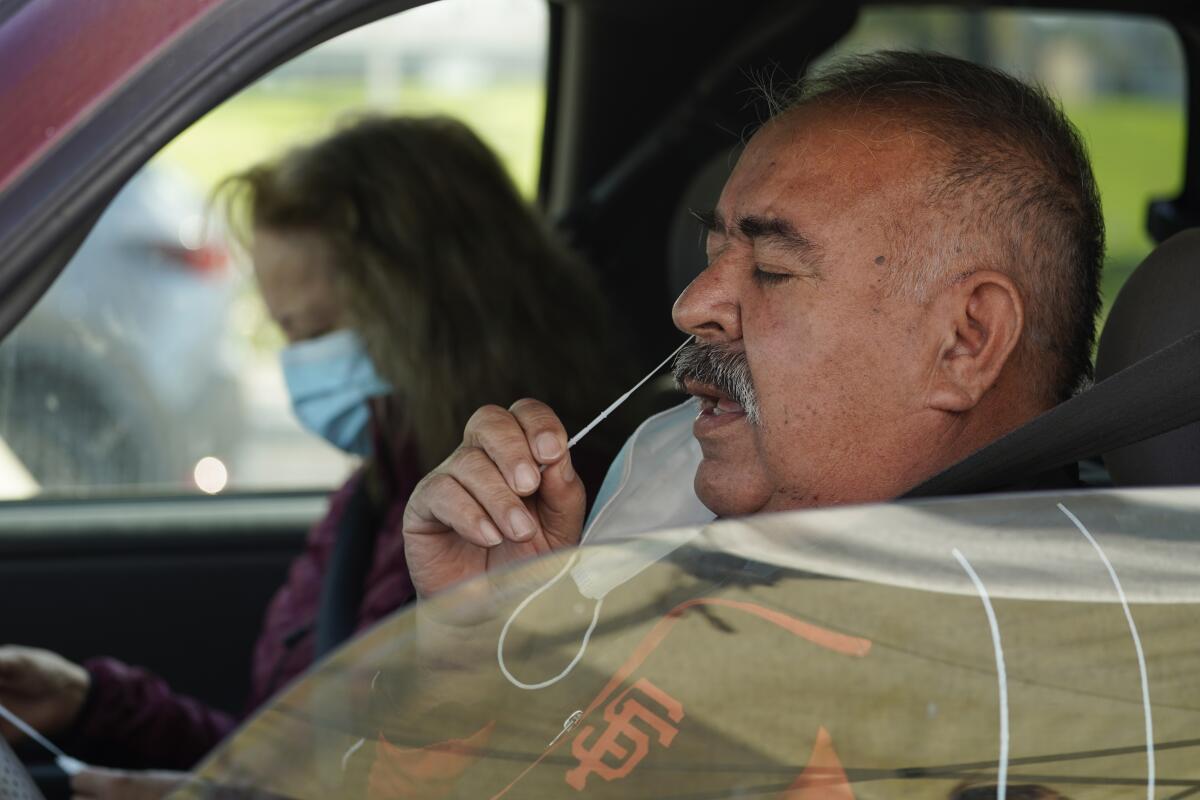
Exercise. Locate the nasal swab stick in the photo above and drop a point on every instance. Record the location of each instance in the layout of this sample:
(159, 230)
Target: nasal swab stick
(574, 440)
(68, 765)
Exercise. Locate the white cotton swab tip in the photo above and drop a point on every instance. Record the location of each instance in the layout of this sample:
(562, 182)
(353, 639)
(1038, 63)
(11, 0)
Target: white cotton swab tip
(71, 766)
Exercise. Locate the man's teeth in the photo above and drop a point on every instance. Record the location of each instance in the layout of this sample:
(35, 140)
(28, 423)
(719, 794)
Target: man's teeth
(728, 407)
(717, 406)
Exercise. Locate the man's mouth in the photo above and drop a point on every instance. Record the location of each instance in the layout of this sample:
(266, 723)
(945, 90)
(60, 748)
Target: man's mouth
(713, 401)
(718, 376)
(715, 408)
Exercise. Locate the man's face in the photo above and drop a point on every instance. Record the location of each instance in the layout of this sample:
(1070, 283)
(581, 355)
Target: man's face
(803, 241)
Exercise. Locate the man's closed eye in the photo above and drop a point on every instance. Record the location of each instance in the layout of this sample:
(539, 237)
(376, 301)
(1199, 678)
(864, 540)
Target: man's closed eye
(768, 278)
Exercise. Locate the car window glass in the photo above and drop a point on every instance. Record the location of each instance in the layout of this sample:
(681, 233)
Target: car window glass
(938, 650)
(151, 364)
(1120, 79)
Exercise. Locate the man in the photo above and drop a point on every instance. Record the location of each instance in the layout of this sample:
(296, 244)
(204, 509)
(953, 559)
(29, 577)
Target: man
(903, 266)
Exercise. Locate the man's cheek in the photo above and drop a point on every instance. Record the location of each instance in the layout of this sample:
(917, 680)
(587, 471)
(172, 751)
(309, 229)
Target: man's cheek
(805, 411)
(782, 437)
(789, 388)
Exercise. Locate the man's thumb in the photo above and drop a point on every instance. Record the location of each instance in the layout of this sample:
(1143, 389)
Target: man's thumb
(562, 502)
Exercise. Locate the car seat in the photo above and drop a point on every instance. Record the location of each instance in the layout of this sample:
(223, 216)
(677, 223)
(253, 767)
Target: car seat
(1159, 304)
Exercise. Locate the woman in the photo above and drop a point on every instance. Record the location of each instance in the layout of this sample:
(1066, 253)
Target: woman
(410, 281)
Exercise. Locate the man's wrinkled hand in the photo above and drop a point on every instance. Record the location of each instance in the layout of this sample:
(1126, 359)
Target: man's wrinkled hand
(506, 494)
(95, 783)
(42, 688)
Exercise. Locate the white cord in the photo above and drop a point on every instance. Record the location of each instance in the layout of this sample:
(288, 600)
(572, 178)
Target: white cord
(574, 440)
(513, 618)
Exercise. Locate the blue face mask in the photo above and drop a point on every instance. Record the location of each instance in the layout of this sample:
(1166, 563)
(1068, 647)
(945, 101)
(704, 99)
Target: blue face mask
(330, 380)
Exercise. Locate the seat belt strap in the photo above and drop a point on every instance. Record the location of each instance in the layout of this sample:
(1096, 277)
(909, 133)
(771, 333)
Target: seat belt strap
(344, 582)
(1157, 394)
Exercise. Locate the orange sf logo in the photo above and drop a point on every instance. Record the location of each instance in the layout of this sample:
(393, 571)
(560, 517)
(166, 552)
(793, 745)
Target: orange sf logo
(620, 715)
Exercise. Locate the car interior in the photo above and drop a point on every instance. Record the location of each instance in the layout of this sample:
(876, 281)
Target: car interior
(646, 107)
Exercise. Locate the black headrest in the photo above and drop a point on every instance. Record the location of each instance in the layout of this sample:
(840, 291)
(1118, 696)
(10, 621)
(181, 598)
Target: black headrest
(1159, 304)
(687, 258)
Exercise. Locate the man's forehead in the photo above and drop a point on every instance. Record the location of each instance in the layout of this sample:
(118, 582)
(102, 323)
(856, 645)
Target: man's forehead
(816, 162)
(859, 146)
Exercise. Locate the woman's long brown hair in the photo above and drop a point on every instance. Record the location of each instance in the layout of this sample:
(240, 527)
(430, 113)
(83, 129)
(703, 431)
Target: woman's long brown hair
(461, 293)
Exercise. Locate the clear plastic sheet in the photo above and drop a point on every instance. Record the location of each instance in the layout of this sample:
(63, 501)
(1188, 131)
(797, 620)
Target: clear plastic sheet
(1033, 645)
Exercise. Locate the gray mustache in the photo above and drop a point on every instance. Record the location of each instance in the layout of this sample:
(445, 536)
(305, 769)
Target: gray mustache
(720, 366)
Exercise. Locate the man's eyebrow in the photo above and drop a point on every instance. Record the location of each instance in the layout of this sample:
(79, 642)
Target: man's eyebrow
(772, 230)
(775, 230)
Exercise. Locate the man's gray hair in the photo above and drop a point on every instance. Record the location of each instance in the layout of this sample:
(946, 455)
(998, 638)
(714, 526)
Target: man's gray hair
(1016, 193)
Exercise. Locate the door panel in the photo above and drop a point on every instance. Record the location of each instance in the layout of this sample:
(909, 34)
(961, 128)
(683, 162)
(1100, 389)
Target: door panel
(178, 585)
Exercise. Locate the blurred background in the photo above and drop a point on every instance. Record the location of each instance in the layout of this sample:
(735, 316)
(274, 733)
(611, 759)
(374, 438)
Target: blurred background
(152, 367)
(1120, 79)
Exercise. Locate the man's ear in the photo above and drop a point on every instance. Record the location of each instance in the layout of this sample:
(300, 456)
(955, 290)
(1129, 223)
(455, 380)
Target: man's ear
(982, 317)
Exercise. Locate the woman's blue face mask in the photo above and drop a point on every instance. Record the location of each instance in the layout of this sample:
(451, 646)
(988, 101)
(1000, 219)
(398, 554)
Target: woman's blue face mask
(330, 379)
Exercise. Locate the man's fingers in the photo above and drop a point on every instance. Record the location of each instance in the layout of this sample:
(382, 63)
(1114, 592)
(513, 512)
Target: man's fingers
(479, 475)
(511, 482)
(446, 504)
(498, 433)
(98, 783)
(21, 681)
(13, 666)
(520, 443)
(561, 499)
(543, 429)
(562, 503)
(10, 733)
(92, 781)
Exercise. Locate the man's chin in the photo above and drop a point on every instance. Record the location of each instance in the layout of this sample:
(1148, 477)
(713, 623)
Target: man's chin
(730, 490)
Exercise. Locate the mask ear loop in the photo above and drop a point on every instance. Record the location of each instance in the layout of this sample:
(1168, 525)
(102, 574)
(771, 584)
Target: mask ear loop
(574, 440)
(513, 618)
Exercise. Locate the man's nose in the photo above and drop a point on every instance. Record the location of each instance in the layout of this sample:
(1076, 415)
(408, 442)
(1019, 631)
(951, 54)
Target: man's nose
(708, 308)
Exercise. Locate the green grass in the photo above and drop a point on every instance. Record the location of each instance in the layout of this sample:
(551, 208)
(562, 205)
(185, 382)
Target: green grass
(1137, 150)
